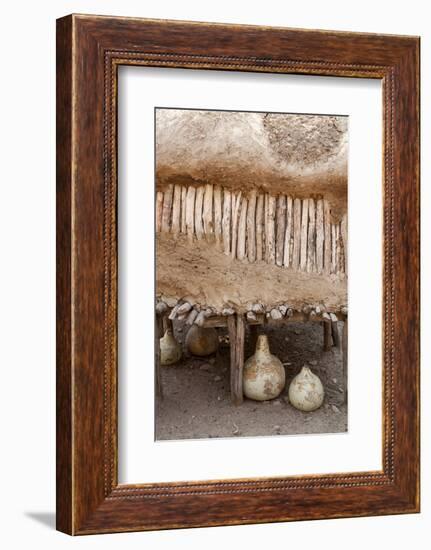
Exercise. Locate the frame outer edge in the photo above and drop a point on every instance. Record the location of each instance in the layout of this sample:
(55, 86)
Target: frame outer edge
(64, 367)
(81, 508)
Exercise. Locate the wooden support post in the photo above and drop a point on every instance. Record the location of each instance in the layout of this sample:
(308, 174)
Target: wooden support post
(166, 324)
(327, 336)
(158, 329)
(231, 327)
(335, 333)
(239, 360)
(345, 357)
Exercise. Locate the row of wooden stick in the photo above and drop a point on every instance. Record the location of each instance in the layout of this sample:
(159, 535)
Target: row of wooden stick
(282, 230)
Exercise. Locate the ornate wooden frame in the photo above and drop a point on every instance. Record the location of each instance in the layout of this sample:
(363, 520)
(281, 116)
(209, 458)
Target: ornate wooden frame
(89, 51)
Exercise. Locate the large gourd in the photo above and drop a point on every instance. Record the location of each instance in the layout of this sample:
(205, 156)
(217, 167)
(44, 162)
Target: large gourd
(170, 349)
(202, 341)
(263, 377)
(306, 392)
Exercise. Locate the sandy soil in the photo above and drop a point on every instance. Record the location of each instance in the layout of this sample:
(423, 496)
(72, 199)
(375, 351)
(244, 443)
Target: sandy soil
(197, 401)
(202, 274)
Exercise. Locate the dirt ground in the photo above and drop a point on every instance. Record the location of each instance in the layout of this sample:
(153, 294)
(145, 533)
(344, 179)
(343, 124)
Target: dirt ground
(197, 401)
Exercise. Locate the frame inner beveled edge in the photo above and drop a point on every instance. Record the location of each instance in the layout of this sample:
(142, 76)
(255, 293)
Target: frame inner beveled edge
(113, 490)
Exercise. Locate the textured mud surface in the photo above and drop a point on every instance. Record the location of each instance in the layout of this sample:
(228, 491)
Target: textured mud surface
(197, 401)
(204, 275)
(302, 155)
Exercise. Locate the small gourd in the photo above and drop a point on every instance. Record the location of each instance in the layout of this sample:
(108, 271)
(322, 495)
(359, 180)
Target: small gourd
(170, 349)
(202, 341)
(263, 376)
(306, 391)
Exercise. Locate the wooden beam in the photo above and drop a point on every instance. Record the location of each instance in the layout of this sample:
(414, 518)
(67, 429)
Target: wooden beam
(236, 375)
(231, 327)
(335, 333)
(345, 357)
(158, 331)
(327, 336)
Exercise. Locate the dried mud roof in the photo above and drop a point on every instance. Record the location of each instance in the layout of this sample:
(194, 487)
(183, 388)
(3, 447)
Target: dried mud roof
(297, 154)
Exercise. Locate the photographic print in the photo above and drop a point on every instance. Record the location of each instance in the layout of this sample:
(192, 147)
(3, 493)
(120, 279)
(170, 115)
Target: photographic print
(251, 273)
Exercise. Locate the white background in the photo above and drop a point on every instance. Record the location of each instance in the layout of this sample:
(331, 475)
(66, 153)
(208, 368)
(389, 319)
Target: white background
(27, 232)
(143, 460)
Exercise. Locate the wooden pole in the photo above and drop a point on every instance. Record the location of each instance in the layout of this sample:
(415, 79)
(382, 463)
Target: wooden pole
(334, 330)
(231, 327)
(239, 360)
(199, 228)
(344, 237)
(327, 336)
(327, 249)
(270, 205)
(337, 248)
(296, 233)
(183, 209)
(280, 229)
(289, 232)
(320, 236)
(242, 230)
(259, 227)
(217, 213)
(158, 330)
(251, 226)
(311, 254)
(159, 210)
(345, 357)
(176, 210)
(167, 323)
(227, 210)
(208, 212)
(333, 249)
(304, 233)
(190, 212)
(167, 207)
(236, 203)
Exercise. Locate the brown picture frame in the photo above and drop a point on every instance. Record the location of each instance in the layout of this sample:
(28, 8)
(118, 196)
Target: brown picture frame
(89, 51)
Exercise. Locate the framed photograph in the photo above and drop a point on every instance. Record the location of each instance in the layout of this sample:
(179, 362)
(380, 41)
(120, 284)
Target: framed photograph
(237, 274)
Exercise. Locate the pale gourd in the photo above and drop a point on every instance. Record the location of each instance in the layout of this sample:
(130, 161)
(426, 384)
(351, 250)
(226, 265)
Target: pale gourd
(306, 391)
(170, 349)
(263, 376)
(202, 341)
